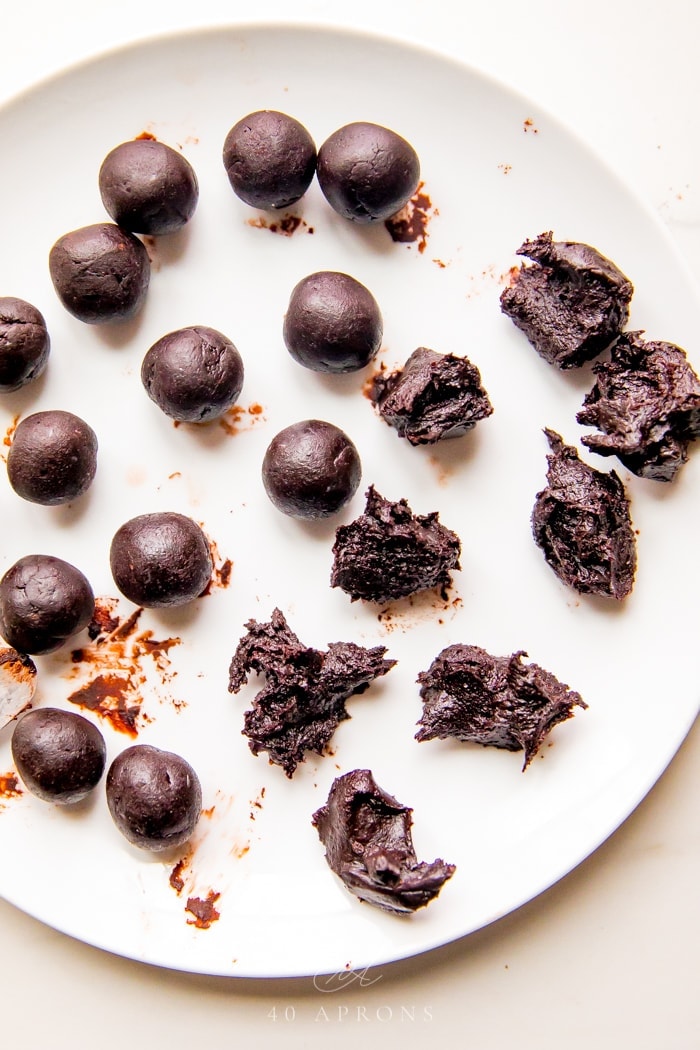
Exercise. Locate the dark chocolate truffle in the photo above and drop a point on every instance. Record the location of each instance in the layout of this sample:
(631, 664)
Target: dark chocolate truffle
(100, 273)
(24, 343)
(59, 755)
(646, 402)
(147, 187)
(389, 552)
(52, 458)
(333, 323)
(160, 559)
(367, 835)
(154, 797)
(311, 469)
(303, 699)
(581, 522)
(270, 159)
(367, 172)
(571, 304)
(496, 701)
(44, 601)
(433, 397)
(193, 374)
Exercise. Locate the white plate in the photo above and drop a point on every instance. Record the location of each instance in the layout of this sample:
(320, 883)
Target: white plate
(496, 171)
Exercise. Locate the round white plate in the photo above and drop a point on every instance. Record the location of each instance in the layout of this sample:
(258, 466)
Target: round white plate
(496, 172)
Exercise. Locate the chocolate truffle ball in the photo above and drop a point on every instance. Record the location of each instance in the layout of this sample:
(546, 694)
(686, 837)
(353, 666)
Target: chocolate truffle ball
(44, 601)
(147, 187)
(154, 797)
(333, 323)
(160, 559)
(270, 159)
(59, 755)
(24, 343)
(100, 273)
(367, 172)
(52, 458)
(193, 374)
(311, 469)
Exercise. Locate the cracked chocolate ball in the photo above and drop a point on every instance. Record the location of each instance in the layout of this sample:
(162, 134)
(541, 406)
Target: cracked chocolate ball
(154, 797)
(44, 601)
(367, 172)
(147, 187)
(270, 159)
(59, 755)
(100, 273)
(311, 469)
(160, 559)
(24, 344)
(52, 458)
(193, 374)
(333, 323)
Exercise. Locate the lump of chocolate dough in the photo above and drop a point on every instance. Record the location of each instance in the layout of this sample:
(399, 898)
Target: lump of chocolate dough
(193, 374)
(571, 303)
(147, 187)
(100, 273)
(646, 402)
(367, 172)
(270, 159)
(52, 458)
(24, 344)
(434, 396)
(44, 601)
(496, 701)
(154, 797)
(59, 755)
(160, 560)
(367, 835)
(17, 684)
(311, 469)
(332, 324)
(581, 521)
(303, 699)
(389, 553)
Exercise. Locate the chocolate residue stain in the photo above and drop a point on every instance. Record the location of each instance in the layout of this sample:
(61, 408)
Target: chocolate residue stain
(9, 785)
(410, 225)
(179, 874)
(407, 613)
(287, 225)
(234, 421)
(115, 690)
(256, 803)
(146, 135)
(175, 474)
(240, 851)
(441, 264)
(208, 813)
(9, 435)
(529, 125)
(444, 473)
(203, 910)
(505, 168)
(151, 245)
(221, 571)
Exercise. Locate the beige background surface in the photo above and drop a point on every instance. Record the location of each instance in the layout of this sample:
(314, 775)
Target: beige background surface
(606, 958)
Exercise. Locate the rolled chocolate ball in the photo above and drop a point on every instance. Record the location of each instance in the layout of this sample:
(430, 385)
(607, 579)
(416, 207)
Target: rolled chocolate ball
(333, 323)
(193, 374)
(161, 559)
(52, 458)
(367, 172)
(311, 469)
(270, 159)
(44, 601)
(147, 187)
(100, 273)
(24, 343)
(59, 755)
(154, 797)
